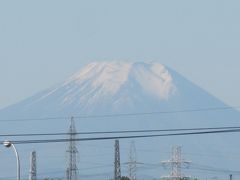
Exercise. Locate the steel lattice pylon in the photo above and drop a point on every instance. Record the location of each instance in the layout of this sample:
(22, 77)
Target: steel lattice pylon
(132, 164)
(117, 166)
(72, 153)
(33, 166)
(176, 162)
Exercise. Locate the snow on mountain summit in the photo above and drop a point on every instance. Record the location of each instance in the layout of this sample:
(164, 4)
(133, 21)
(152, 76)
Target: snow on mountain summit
(120, 86)
(110, 77)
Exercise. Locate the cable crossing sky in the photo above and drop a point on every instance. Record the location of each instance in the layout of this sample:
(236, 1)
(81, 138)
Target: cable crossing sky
(40, 141)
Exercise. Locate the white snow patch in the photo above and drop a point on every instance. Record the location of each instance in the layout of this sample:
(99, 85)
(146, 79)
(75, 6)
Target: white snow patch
(104, 81)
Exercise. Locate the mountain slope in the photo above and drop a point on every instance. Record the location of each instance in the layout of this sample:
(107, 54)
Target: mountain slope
(109, 88)
(99, 86)
(112, 87)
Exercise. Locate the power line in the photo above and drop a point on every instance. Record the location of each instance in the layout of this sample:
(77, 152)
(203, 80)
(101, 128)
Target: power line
(123, 137)
(121, 132)
(125, 114)
(214, 169)
(194, 166)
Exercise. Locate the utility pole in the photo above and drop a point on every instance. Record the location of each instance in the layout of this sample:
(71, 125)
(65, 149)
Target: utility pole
(176, 162)
(117, 166)
(33, 166)
(72, 153)
(132, 164)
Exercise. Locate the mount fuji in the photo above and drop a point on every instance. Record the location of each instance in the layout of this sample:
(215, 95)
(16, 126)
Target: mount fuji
(116, 87)
(105, 87)
(145, 96)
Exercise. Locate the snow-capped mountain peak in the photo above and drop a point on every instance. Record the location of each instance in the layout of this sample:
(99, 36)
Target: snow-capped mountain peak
(120, 86)
(110, 77)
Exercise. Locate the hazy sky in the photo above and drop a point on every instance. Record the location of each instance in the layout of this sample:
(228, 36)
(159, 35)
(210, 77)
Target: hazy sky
(43, 42)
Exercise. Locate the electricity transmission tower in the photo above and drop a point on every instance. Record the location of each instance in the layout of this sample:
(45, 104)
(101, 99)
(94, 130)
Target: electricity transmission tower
(132, 164)
(117, 166)
(72, 153)
(33, 166)
(176, 162)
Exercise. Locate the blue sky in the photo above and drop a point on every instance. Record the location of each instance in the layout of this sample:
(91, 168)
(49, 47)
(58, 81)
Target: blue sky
(44, 42)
